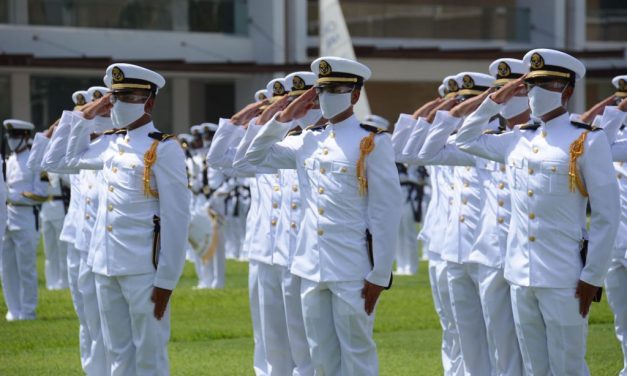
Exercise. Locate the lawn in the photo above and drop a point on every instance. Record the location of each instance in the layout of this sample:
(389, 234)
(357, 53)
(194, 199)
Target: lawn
(211, 331)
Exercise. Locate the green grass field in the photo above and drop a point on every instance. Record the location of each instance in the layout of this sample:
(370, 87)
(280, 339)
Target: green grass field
(211, 331)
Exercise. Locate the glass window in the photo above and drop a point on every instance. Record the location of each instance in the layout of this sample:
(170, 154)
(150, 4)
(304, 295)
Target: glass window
(224, 16)
(606, 20)
(407, 19)
(211, 100)
(4, 11)
(5, 97)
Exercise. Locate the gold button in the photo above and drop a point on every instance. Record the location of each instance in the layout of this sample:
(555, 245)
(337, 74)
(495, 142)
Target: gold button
(320, 232)
(452, 186)
(121, 152)
(110, 188)
(466, 184)
(503, 168)
(465, 201)
(305, 163)
(462, 218)
(325, 151)
(87, 216)
(501, 203)
(114, 169)
(501, 185)
(109, 228)
(543, 133)
(532, 216)
(273, 222)
(90, 186)
(276, 188)
(323, 170)
(532, 238)
(320, 190)
(275, 205)
(530, 171)
(127, 139)
(501, 220)
(110, 207)
(321, 211)
(343, 170)
(332, 134)
(294, 205)
(293, 225)
(467, 168)
(553, 169)
(88, 201)
(294, 188)
(530, 193)
(535, 149)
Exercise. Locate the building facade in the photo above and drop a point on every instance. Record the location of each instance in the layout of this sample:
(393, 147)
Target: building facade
(216, 53)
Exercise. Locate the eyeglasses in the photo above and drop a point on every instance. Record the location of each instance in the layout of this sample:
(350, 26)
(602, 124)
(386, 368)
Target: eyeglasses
(129, 98)
(334, 89)
(547, 85)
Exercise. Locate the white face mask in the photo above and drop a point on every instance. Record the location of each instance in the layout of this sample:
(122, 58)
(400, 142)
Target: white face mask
(15, 143)
(514, 106)
(333, 104)
(310, 118)
(123, 114)
(542, 101)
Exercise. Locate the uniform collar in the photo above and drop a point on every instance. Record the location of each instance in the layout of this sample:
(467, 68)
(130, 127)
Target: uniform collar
(142, 131)
(350, 120)
(562, 119)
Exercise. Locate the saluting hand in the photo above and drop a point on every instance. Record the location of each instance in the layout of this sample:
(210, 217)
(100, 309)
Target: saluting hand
(445, 105)
(469, 105)
(247, 113)
(50, 131)
(597, 109)
(623, 105)
(510, 89)
(585, 292)
(370, 293)
(299, 107)
(98, 107)
(424, 110)
(160, 297)
(275, 107)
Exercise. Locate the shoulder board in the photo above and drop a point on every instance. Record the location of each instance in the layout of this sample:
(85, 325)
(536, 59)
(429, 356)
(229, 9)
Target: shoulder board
(314, 128)
(493, 131)
(530, 126)
(114, 131)
(295, 132)
(585, 126)
(372, 129)
(160, 136)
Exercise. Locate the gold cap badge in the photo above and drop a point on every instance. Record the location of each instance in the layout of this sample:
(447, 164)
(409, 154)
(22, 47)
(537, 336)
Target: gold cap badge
(537, 62)
(117, 74)
(504, 69)
(468, 82)
(452, 85)
(278, 89)
(298, 83)
(324, 68)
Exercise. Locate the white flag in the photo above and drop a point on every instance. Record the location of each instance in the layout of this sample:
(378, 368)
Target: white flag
(336, 41)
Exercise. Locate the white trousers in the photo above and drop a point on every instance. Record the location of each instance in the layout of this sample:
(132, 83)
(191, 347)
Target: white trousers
(551, 332)
(96, 361)
(615, 284)
(295, 325)
(233, 237)
(496, 304)
(259, 357)
(19, 273)
(452, 361)
(273, 321)
(338, 329)
(463, 281)
(56, 255)
(407, 244)
(73, 268)
(136, 341)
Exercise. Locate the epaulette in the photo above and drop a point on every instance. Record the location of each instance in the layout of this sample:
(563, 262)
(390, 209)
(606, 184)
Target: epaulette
(372, 129)
(585, 126)
(493, 131)
(530, 126)
(294, 132)
(160, 136)
(114, 131)
(314, 127)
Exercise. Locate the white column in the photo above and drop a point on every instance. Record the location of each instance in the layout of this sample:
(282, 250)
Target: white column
(576, 37)
(20, 96)
(296, 31)
(267, 30)
(180, 105)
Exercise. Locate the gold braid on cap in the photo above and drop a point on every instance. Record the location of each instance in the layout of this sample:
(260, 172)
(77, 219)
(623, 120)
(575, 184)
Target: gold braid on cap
(576, 151)
(150, 157)
(366, 146)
